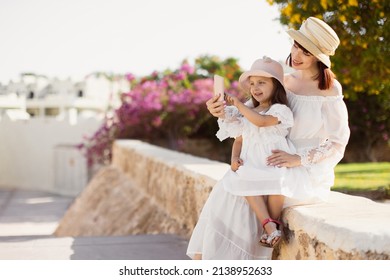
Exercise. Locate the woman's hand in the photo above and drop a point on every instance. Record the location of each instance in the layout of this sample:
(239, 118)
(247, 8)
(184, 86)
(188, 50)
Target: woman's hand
(282, 159)
(236, 163)
(215, 107)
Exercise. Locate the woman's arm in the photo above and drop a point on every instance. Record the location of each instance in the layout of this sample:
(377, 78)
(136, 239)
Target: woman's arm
(236, 161)
(330, 152)
(215, 107)
(335, 117)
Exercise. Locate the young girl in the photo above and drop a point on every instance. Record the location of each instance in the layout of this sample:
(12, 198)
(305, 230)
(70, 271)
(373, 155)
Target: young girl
(236, 212)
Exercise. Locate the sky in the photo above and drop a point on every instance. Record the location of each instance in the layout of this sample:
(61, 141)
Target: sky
(73, 38)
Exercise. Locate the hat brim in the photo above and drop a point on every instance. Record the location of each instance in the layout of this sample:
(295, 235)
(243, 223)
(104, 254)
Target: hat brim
(309, 45)
(244, 78)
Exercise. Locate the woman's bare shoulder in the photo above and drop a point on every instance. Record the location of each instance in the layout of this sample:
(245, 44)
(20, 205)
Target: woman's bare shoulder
(337, 87)
(288, 80)
(335, 90)
(288, 77)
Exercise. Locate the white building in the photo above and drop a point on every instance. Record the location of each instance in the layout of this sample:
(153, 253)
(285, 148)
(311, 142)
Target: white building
(41, 123)
(40, 96)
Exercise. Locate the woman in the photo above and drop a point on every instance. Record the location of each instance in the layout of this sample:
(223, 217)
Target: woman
(320, 132)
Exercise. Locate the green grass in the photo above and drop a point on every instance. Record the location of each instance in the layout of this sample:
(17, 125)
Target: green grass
(362, 177)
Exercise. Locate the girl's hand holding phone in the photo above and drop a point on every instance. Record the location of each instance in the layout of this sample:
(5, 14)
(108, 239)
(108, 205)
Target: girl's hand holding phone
(232, 100)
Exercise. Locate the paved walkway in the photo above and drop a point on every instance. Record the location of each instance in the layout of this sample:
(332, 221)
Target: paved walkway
(29, 218)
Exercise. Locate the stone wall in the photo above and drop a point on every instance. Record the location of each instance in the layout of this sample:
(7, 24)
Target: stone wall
(149, 189)
(346, 227)
(112, 206)
(146, 190)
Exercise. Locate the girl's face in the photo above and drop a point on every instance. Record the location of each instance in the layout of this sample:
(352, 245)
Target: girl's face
(261, 88)
(302, 60)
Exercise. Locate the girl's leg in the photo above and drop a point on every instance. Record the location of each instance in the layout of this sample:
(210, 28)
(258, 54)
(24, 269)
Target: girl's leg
(275, 206)
(264, 207)
(197, 257)
(259, 207)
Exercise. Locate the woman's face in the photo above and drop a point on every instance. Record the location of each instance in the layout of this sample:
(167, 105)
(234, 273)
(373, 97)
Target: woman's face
(300, 59)
(261, 88)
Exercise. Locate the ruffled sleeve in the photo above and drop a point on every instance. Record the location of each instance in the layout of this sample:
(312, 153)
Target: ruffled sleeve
(231, 125)
(283, 113)
(335, 116)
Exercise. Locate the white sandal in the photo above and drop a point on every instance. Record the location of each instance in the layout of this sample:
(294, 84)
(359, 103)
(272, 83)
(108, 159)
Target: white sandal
(275, 234)
(268, 240)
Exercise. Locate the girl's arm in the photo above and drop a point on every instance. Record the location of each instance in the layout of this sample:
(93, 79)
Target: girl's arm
(252, 116)
(255, 118)
(236, 161)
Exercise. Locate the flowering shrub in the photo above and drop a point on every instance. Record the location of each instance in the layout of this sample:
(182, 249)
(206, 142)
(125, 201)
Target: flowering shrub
(170, 107)
(166, 106)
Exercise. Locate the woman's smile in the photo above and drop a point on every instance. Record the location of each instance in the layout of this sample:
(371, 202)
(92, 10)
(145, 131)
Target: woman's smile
(296, 62)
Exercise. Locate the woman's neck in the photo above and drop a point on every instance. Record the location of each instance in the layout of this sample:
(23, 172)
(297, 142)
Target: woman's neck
(308, 74)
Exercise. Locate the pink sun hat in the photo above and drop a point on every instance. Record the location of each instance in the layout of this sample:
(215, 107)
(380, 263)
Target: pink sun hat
(265, 67)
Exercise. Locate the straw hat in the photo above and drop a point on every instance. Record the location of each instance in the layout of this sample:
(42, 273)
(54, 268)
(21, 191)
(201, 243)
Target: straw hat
(265, 67)
(317, 37)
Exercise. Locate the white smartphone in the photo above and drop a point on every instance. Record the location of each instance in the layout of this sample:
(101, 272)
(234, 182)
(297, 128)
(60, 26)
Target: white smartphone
(219, 86)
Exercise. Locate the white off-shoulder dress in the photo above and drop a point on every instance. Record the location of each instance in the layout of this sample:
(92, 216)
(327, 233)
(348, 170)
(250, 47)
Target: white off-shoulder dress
(320, 134)
(227, 228)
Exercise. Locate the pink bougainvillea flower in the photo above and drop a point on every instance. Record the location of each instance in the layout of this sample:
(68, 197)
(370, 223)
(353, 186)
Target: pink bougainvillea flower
(187, 68)
(157, 121)
(130, 77)
(165, 105)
